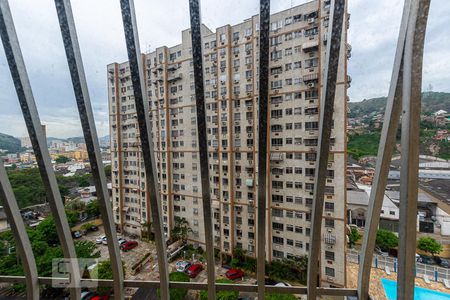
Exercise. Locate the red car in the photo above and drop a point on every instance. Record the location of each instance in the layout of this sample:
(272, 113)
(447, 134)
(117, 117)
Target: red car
(128, 245)
(234, 274)
(194, 270)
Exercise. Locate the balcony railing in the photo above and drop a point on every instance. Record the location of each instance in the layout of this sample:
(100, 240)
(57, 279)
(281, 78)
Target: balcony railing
(404, 98)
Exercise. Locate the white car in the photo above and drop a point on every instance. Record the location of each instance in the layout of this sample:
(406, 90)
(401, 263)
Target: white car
(121, 241)
(182, 265)
(281, 283)
(100, 239)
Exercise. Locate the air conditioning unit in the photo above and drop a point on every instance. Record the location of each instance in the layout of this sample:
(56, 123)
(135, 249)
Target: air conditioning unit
(311, 84)
(311, 20)
(329, 214)
(330, 230)
(250, 241)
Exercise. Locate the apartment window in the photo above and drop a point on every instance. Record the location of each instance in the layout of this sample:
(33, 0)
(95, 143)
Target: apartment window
(277, 113)
(329, 255)
(278, 254)
(310, 63)
(299, 229)
(329, 223)
(277, 226)
(288, 52)
(278, 240)
(288, 67)
(290, 242)
(276, 70)
(277, 184)
(276, 40)
(277, 198)
(329, 271)
(288, 21)
(235, 36)
(298, 244)
(290, 228)
(276, 25)
(277, 212)
(276, 54)
(288, 126)
(329, 206)
(248, 32)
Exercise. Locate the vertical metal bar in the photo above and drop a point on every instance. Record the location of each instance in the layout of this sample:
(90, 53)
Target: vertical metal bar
(385, 150)
(145, 132)
(197, 57)
(20, 234)
(325, 126)
(263, 102)
(73, 53)
(412, 88)
(35, 131)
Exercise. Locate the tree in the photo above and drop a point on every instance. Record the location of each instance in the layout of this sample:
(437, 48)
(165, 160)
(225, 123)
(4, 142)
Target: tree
(430, 245)
(181, 229)
(47, 230)
(177, 294)
(108, 171)
(93, 208)
(222, 295)
(61, 159)
(353, 237)
(386, 240)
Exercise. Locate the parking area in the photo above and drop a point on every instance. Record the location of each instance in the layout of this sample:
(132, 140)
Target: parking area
(130, 257)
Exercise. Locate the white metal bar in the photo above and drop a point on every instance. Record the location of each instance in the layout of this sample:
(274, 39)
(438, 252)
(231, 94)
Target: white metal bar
(325, 126)
(263, 158)
(410, 142)
(75, 62)
(197, 57)
(20, 234)
(37, 137)
(385, 150)
(145, 132)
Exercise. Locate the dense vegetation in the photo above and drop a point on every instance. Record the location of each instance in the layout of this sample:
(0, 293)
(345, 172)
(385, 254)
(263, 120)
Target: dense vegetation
(431, 102)
(10, 143)
(363, 144)
(29, 189)
(46, 248)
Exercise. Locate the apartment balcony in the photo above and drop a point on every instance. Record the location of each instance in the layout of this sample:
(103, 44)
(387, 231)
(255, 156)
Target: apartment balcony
(175, 77)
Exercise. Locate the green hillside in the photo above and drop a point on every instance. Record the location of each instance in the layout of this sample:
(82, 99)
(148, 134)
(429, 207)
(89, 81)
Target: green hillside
(431, 102)
(9, 143)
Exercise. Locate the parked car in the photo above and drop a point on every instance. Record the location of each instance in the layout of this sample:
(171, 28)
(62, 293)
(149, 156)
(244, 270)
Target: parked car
(121, 241)
(128, 245)
(93, 228)
(105, 241)
(86, 295)
(182, 265)
(100, 239)
(234, 274)
(442, 262)
(426, 260)
(282, 283)
(100, 297)
(76, 234)
(194, 270)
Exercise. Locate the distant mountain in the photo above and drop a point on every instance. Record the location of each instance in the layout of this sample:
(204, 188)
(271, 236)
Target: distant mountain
(431, 102)
(104, 140)
(9, 143)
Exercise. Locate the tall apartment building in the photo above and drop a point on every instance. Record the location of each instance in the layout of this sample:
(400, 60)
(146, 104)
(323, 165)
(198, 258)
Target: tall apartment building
(297, 63)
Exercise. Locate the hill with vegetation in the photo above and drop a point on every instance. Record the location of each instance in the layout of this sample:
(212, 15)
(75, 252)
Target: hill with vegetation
(9, 143)
(431, 102)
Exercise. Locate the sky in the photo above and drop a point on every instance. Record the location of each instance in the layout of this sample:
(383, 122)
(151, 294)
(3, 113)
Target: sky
(373, 35)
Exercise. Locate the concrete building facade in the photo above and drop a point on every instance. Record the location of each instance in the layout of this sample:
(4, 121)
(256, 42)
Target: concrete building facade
(297, 63)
